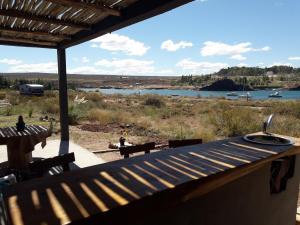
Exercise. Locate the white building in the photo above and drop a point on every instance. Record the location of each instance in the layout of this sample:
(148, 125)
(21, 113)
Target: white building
(31, 89)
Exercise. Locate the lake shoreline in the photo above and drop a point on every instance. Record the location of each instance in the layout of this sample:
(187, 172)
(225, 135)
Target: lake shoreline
(255, 94)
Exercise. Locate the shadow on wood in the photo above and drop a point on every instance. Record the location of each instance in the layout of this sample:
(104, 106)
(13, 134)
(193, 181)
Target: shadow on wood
(186, 142)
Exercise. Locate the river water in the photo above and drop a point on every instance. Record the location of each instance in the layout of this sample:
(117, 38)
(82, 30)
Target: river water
(262, 94)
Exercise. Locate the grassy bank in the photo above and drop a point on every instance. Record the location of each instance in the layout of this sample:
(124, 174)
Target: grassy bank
(147, 118)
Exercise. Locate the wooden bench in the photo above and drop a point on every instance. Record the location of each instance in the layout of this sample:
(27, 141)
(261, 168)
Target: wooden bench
(185, 142)
(147, 147)
(40, 167)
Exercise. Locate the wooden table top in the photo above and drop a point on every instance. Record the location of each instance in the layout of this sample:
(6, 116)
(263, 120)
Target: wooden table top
(176, 174)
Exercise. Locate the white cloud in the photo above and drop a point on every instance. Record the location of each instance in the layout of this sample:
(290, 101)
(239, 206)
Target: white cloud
(200, 67)
(121, 67)
(10, 61)
(48, 67)
(120, 43)
(84, 70)
(126, 66)
(238, 57)
(117, 67)
(211, 48)
(75, 59)
(170, 46)
(294, 58)
(165, 72)
(264, 49)
(85, 59)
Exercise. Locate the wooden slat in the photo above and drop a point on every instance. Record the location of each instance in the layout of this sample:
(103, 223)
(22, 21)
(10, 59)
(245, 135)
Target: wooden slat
(78, 19)
(136, 12)
(34, 33)
(87, 5)
(48, 19)
(27, 41)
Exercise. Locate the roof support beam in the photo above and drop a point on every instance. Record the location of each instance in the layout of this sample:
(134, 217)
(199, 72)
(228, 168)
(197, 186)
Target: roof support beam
(34, 33)
(45, 19)
(27, 41)
(87, 5)
(63, 94)
(20, 44)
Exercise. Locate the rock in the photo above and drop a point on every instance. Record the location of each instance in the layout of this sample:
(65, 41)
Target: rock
(226, 85)
(297, 88)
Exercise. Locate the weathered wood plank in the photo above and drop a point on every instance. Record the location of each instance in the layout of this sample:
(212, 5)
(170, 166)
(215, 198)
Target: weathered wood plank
(86, 5)
(34, 33)
(27, 41)
(46, 19)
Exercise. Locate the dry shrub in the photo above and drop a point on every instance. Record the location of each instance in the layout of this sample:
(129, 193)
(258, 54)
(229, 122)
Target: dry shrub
(154, 101)
(286, 108)
(50, 106)
(206, 134)
(235, 121)
(144, 122)
(13, 98)
(51, 94)
(94, 97)
(2, 95)
(285, 125)
(107, 116)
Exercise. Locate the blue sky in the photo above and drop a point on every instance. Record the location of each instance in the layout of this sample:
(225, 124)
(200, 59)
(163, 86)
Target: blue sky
(198, 38)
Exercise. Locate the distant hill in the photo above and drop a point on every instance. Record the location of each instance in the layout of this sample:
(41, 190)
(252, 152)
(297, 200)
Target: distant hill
(226, 85)
(256, 71)
(86, 80)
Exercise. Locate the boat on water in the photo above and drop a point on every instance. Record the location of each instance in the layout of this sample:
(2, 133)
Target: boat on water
(232, 94)
(247, 95)
(275, 94)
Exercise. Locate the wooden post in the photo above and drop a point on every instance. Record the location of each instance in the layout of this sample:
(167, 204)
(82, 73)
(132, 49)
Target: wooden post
(63, 94)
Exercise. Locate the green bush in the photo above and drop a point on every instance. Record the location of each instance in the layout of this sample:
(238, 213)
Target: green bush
(30, 112)
(74, 115)
(8, 111)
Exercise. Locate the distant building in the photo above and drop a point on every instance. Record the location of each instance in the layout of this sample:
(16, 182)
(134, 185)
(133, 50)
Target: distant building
(31, 89)
(270, 74)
